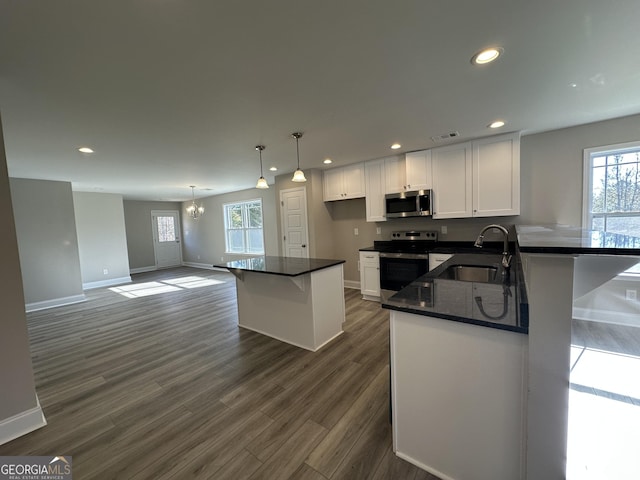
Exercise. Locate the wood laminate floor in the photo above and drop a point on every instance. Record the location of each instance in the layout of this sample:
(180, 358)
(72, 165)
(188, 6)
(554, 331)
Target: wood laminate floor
(157, 381)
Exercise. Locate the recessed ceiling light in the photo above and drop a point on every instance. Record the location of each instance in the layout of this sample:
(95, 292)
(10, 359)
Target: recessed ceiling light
(497, 124)
(487, 55)
(273, 169)
(327, 161)
(395, 146)
(573, 85)
(85, 150)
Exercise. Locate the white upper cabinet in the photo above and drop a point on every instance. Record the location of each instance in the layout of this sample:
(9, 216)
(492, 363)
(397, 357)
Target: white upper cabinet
(343, 183)
(418, 170)
(374, 173)
(496, 176)
(477, 179)
(395, 175)
(411, 172)
(452, 181)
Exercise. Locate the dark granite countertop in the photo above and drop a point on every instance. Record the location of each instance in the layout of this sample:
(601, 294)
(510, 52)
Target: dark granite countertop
(500, 304)
(560, 239)
(287, 266)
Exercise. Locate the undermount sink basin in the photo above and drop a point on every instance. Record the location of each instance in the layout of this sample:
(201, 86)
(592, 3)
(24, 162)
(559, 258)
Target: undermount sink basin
(470, 273)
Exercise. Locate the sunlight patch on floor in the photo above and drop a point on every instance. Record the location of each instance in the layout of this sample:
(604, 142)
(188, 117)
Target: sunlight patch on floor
(163, 286)
(604, 428)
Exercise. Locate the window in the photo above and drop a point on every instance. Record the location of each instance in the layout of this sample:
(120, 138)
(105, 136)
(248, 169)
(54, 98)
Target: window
(243, 227)
(612, 189)
(166, 229)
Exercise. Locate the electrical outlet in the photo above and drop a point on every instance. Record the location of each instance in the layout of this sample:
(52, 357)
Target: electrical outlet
(356, 232)
(443, 229)
(105, 271)
(198, 257)
(378, 230)
(632, 294)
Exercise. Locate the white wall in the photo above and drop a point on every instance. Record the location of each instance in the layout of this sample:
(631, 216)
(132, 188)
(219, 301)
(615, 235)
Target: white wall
(102, 240)
(47, 241)
(17, 385)
(203, 240)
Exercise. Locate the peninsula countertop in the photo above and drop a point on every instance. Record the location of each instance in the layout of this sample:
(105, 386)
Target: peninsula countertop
(286, 266)
(502, 304)
(561, 239)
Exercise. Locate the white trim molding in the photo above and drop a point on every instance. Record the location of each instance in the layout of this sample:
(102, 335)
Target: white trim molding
(205, 266)
(352, 284)
(21, 424)
(54, 302)
(106, 283)
(606, 316)
(151, 268)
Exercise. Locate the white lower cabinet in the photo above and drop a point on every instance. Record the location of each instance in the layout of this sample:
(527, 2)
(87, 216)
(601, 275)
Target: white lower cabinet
(458, 397)
(370, 275)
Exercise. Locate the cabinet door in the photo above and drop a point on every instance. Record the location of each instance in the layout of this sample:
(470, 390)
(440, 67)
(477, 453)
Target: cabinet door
(496, 176)
(353, 181)
(370, 274)
(395, 175)
(452, 186)
(374, 175)
(332, 185)
(418, 170)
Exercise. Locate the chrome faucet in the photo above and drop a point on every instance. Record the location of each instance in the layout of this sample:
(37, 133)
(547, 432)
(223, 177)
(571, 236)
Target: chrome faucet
(506, 257)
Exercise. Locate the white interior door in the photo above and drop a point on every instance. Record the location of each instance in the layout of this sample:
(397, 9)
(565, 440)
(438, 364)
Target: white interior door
(166, 238)
(293, 205)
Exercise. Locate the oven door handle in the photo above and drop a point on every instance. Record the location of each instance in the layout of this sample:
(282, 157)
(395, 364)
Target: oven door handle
(408, 256)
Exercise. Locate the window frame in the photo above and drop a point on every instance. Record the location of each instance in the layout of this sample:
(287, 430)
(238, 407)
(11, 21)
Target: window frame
(587, 179)
(245, 225)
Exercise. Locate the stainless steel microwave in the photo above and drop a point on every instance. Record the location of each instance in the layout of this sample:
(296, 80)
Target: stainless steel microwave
(408, 204)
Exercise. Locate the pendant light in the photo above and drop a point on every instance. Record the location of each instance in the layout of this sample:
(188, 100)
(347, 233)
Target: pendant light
(298, 175)
(194, 210)
(262, 183)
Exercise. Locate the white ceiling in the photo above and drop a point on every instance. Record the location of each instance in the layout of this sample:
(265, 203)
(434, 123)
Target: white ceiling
(172, 93)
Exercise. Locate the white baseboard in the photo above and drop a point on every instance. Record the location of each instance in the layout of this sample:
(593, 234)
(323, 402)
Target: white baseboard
(206, 266)
(152, 268)
(606, 316)
(21, 424)
(55, 302)
(106, 283)
(421, 465)
(352, 284)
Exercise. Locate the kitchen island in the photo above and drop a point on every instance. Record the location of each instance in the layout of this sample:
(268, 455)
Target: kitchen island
(299, 301)
(458, 367)
(478, 371)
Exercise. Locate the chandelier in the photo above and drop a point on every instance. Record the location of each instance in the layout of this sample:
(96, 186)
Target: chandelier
(193, 210)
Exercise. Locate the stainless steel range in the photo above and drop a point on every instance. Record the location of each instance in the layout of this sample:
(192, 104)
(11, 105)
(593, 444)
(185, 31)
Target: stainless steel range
(403, 259)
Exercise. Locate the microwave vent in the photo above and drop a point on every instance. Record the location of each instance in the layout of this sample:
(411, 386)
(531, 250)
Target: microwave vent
(446, 136)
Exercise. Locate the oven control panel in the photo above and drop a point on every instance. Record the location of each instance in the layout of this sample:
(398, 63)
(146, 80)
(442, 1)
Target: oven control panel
(415, 235)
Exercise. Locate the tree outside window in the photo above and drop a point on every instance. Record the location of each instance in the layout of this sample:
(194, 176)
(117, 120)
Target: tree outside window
(243, 227)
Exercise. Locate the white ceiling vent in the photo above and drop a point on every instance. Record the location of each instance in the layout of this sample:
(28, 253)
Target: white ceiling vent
(446, 136)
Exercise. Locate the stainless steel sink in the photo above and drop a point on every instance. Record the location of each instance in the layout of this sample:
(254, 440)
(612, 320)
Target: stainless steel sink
(470, 273)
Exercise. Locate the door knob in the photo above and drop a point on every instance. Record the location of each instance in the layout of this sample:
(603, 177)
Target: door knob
(304, 246)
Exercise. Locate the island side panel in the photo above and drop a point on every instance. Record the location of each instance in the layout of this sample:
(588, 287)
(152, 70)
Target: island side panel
(327, 286)
(549, 280)
(458, 397)
(277, 306)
